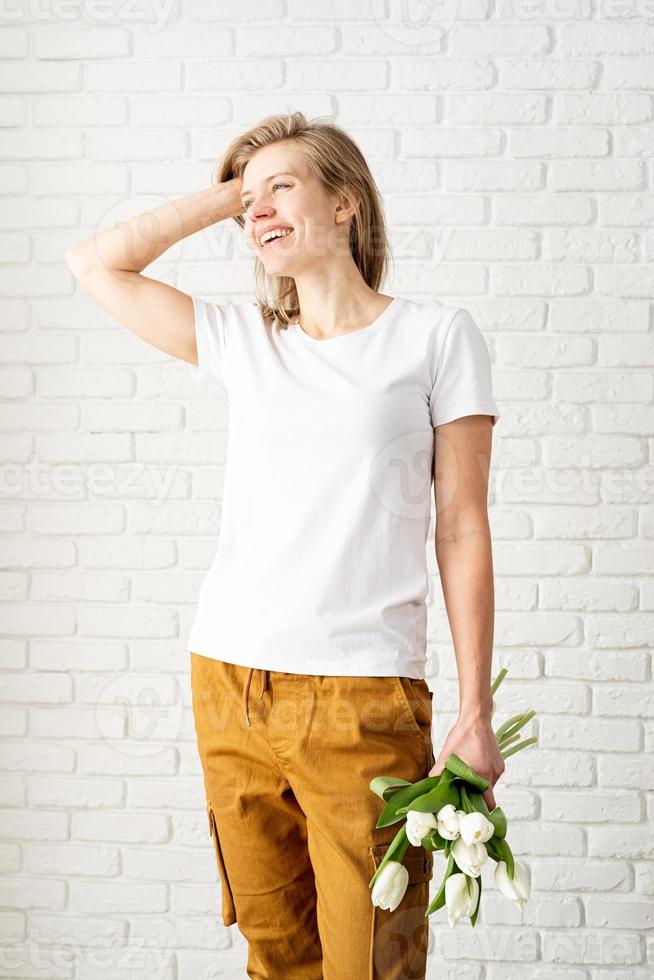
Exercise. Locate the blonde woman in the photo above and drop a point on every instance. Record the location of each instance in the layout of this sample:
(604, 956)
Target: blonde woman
(345, 405)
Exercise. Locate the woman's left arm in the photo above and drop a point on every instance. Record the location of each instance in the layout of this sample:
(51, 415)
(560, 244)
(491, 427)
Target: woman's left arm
(462, 450)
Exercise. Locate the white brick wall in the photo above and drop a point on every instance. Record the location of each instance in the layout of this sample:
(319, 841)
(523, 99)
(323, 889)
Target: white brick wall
(513, 144)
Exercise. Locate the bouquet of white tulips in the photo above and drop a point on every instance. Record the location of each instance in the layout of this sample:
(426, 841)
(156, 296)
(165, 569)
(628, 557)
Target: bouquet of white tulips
(448, 813)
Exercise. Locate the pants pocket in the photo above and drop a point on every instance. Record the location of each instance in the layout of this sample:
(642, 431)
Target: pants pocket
(399, 940)
(421, 691)
(418, 862)
(415, 702)
(228, 908)
(416, 714)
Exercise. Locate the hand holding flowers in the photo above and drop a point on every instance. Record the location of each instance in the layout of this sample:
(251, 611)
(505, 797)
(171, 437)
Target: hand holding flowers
(448, 811)
(474, 740)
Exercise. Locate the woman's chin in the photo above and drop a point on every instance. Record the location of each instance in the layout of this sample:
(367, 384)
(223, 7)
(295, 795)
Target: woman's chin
(279, 267)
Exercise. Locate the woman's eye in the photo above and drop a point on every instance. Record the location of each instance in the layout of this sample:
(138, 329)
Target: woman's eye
(247, 203)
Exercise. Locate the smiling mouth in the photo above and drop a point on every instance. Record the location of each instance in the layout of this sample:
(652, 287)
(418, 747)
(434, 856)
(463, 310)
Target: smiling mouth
(277, 238)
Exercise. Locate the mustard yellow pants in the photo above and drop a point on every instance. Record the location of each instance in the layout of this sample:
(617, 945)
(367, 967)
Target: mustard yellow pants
(287, 769)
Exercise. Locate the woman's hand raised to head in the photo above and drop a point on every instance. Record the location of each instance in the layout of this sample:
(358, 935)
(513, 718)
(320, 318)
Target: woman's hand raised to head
(108, 266)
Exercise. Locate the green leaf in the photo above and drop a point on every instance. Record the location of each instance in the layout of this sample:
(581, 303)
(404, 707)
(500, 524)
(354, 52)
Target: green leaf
(436, 799)
(473, 917)
(439, 898)
(466, 804)
(433, 842)
(463, 771)
(503, 852)
(399, 802)
(498, 819)
(478, 802)
(385, 786)
(497, 816)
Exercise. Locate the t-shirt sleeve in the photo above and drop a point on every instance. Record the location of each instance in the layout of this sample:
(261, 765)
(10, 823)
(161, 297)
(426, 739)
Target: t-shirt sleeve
(211, 330)
(463, 384)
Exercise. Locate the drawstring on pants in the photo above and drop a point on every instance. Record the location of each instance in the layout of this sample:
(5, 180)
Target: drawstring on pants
(246, 690)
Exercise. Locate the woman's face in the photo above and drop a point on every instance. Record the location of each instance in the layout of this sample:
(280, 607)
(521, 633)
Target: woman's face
(280, 191)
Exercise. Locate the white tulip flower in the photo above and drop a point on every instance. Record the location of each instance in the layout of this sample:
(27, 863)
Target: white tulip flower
(448, 821)
(475, 828)
(388, 891)
(518, 888)
(469, 857)
(419, 825)
(461, 896)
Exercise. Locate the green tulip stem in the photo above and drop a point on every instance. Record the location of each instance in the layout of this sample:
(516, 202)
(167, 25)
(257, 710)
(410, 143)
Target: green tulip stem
(498, 680)
(508, 724)
(518, 747)
(513, 725)
(507, 741)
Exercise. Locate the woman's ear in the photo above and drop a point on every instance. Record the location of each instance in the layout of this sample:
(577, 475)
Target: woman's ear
(349, 203)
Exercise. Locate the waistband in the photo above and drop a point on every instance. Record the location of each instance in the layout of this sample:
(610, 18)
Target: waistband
(246, 690)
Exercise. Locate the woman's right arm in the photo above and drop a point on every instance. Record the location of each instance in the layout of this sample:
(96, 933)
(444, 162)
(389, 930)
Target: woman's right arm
(109, 265)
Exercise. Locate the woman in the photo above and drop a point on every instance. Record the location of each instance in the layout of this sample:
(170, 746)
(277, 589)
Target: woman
(340, 400)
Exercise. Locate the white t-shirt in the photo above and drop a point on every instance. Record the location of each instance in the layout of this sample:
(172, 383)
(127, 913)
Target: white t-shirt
(321, 564)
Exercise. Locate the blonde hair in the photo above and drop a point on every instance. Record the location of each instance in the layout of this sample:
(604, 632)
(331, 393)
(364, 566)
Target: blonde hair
(337, 162)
